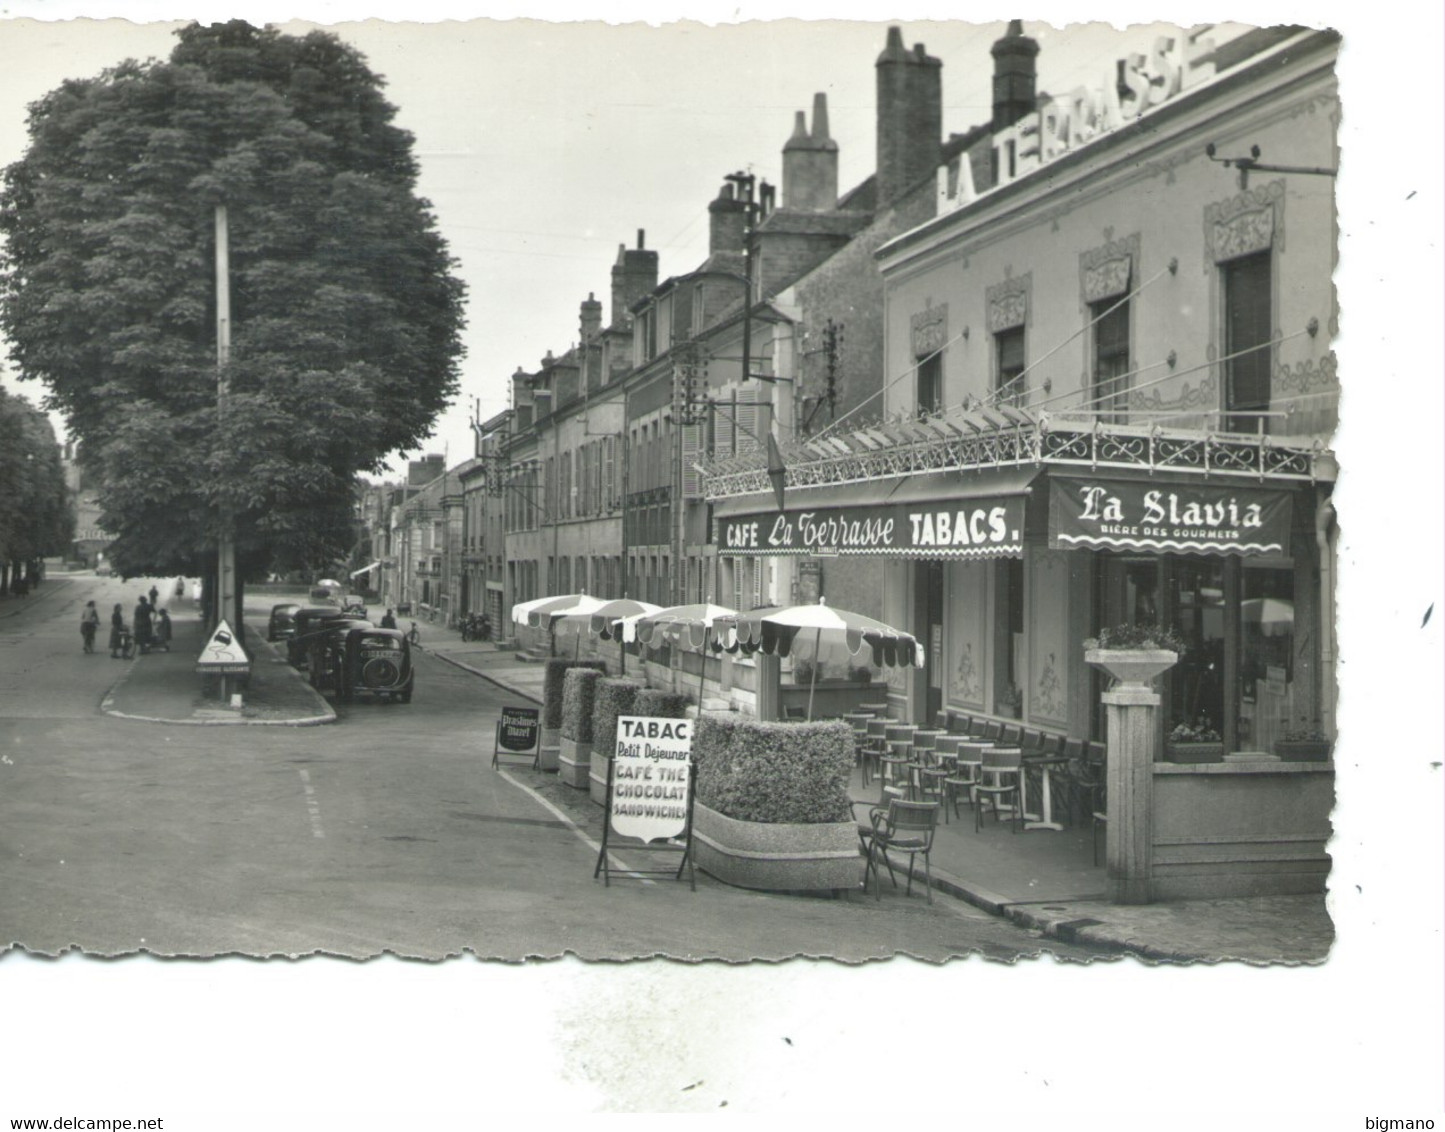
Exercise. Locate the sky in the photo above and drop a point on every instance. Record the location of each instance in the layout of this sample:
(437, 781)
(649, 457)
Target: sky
(543, 147)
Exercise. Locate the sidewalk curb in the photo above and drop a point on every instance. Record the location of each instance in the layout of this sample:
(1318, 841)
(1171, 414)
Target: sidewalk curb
(328, 716)
(505, 685)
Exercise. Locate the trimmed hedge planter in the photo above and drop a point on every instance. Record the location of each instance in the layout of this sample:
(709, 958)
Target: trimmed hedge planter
(622, 697)
(615, 696)
(771, 808)
(552, 685)
(574, 755)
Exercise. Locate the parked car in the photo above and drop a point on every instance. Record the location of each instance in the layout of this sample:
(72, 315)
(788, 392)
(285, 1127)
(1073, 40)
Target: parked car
(282, 624)
(372, 662)
(307, 622)
(354, 604)
(324, 650)
(103, 569)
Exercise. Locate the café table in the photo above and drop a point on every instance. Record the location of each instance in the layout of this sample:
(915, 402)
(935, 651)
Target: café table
(1046, 766)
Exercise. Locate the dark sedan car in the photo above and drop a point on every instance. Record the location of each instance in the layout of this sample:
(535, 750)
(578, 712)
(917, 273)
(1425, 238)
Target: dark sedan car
(283, 621)
(362, 660)
(307, 622)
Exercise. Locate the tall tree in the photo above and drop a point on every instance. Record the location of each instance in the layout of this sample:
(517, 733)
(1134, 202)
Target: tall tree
(36, 515)
(345, 308)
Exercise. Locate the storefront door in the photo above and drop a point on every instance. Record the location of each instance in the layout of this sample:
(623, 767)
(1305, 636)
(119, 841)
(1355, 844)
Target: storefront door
(928, 619)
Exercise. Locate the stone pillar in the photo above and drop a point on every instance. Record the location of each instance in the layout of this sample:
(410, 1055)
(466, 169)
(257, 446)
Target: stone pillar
(1130, 785)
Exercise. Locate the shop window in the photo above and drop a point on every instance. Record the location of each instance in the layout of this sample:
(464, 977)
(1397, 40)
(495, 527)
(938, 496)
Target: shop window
(1009, 376)
(1197, 682)
(1248, 323)
(1008, 638)
(1266, 662)
(1111, 360)
(930, 384)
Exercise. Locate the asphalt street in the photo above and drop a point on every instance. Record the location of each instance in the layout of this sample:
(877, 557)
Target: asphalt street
(385, 832)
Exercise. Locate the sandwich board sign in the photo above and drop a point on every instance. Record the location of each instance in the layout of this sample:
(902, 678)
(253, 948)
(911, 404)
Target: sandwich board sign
(223, 654)
(649, 793)
(519, 732)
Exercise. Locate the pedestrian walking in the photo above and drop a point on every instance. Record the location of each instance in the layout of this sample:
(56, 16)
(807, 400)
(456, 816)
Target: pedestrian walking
(163, 631)
(196, 591)
(155, 597)
(180, 588)
(89, 624)
(117, 632)
(142, 620)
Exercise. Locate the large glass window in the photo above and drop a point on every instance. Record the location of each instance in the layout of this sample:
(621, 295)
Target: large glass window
(1111, 360)
(1196, 594)
(930, 384)
(1009, 355)
(1267, 649)
(1248, 323)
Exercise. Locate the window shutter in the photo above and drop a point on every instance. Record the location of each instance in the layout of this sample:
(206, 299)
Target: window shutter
(749, 436)
(723, 429)
(691, 453)
(609, 474)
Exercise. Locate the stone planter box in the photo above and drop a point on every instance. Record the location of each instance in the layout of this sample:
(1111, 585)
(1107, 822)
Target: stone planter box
(1194, 752)
(1303, 750)
(574, 761)
(778, 857)
(1132, 668)
(551, 745)
(597, 776)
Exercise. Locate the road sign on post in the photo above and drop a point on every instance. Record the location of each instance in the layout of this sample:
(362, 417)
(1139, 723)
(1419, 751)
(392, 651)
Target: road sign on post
(649, 793)
(223, 656)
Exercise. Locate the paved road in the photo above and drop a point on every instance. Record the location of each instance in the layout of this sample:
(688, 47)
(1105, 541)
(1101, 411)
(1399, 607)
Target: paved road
(386, 832)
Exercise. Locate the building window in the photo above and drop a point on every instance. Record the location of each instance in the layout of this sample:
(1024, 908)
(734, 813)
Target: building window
(930, 384)
(1008, 378)
(1008, 638)
(1111, 360)
(1248, 325)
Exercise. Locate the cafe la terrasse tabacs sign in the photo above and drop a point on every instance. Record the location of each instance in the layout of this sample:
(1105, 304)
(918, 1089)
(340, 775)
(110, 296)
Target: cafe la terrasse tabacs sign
(1204, 518)
(963, 528)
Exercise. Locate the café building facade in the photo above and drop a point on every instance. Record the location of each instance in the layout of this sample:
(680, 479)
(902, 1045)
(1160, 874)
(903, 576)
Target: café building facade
(1107, 399)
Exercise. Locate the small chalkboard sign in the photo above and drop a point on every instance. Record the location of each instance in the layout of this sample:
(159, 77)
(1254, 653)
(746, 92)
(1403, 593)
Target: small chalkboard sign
(519, 732)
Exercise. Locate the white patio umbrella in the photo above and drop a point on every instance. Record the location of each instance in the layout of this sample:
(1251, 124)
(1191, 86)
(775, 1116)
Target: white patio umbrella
(599, 622)
(774, 631)
(543, 612)
(678, 622)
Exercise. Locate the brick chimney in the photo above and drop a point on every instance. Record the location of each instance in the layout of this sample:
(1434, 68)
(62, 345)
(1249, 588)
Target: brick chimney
(728, 222)
(910, 117)
(633, 276)
(1015, 76)
(810, 163)
(590, 320)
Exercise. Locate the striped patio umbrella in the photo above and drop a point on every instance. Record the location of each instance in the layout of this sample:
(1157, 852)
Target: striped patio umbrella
(774, 631)
(679, 624)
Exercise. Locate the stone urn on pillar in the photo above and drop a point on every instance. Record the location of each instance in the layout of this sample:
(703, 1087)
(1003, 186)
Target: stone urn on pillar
(1133, 657)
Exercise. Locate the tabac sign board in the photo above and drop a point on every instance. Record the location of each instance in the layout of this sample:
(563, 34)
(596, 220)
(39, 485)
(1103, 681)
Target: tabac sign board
(649, 794)
(961, 528)
(1188, 518)
(223, 654)
(651, 777)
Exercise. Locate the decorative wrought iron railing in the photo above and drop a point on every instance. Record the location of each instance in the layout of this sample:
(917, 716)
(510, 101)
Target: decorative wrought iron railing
(1002, 436)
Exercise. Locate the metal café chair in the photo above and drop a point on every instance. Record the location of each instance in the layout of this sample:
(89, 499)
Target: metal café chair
(927, 775)
(1013, 735)
(858, 721)
(874, 748)
(1001, 783)
(898, 740)
(903, 827)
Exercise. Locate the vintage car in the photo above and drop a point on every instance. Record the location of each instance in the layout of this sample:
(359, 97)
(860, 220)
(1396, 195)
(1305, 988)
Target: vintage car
(283, 621)
(323, 648)
(354, 604)
(306, 623)
(362, 660)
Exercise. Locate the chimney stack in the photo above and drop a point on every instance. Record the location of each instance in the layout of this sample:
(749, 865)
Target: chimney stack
(728, 222)
(590, 321)
(810, 163)
(633, 276)
(1014, 76)
(910, 117)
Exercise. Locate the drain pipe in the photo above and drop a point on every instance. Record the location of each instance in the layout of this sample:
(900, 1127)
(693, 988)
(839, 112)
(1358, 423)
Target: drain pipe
(1327, 540)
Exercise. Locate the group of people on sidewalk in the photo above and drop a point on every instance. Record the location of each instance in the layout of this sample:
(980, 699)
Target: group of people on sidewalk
(152, 626)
